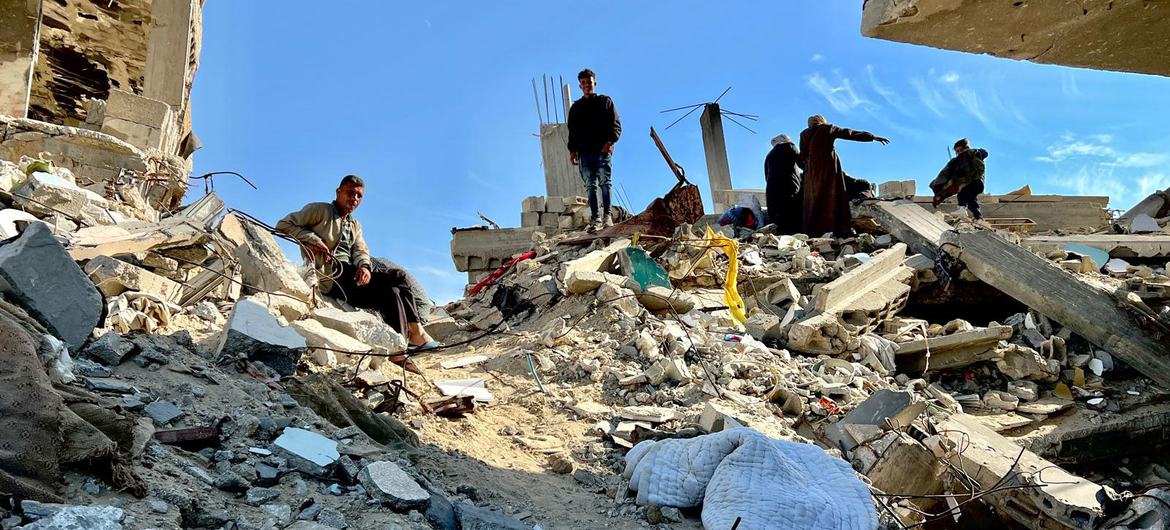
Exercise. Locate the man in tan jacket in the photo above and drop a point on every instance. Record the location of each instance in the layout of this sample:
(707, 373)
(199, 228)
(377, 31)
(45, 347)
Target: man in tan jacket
(332, 239)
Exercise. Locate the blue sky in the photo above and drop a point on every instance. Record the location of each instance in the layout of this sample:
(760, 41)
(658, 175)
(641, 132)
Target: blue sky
(431, 102)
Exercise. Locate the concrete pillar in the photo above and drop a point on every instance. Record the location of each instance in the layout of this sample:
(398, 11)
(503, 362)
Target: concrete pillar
(715, 149)
(561, 177)
(20, 23)
(168, 51)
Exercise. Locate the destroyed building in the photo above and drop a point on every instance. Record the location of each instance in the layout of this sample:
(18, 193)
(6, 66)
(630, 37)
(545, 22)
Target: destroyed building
(168, 366)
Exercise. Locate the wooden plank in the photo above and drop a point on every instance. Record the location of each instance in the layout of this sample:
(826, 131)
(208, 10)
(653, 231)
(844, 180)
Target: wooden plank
(1140, 340)
(909, 223)
(1117, 245)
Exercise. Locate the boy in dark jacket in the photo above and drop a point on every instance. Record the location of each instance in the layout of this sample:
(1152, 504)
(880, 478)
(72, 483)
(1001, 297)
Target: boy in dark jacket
(963, 174)
(594, 127)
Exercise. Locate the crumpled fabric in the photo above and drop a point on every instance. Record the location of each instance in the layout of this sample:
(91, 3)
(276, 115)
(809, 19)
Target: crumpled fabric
(740, 473)
(881, 349)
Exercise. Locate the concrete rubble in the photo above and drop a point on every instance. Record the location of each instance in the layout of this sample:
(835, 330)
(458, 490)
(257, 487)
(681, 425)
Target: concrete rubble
(234, 396)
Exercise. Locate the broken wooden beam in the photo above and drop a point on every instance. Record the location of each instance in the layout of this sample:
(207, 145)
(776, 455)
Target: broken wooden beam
(1139, 339)
(1029, 489)
(951, 351)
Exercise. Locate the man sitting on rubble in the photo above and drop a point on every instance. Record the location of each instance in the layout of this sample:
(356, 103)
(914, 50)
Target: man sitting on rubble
(962, 174)
(332, 239)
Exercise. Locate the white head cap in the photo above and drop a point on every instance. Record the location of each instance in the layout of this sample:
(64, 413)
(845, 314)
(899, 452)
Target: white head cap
(781, 139)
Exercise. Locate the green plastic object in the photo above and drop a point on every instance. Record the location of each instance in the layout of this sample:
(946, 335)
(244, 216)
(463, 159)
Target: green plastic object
(637, 264)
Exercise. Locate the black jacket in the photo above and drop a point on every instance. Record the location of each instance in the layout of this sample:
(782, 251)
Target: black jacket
(780, 169)
(593, 122)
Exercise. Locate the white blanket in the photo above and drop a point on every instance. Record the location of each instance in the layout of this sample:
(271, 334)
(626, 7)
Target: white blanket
(742, 473)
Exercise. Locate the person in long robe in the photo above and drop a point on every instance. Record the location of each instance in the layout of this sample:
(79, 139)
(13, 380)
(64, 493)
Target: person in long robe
(782, 175)
(826, 201)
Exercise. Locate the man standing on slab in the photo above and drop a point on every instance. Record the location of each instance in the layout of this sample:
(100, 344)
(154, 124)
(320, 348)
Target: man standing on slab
(825, 196)
(594, 127)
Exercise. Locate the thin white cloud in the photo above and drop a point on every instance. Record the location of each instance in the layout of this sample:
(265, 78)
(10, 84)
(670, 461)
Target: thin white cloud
(888, 94)
(1097, 146)
(928, 96)
(969, 100)
(1068, 85)
(1142, 160)
(950, 77)
(842, 96)
(816, 58)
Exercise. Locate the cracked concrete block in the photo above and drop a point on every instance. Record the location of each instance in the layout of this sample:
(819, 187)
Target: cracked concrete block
(254, 331)
(659, 298)
(317, 336)
(364, 327)
(307, 451)
(46, 193)
(532, 204)
(387, 482)
(113, 277)
(37, 273)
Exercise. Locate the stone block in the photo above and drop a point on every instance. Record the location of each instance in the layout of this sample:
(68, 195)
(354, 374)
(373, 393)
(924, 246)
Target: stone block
(386, 482)
(475, 518)
(554, 204)
(659, 298)
(580, 282)
(764, 326)
(66, 517)
(10, 175)
(550, 219)
(289, 308)
(307, 451)
(46, 193)
(113, 277)
(108, 349)
(163, 412)
(532, 204)
(137, 109)
(322, 340)
(487, 319)
(363, 326)
(254, 331)
(264, 266)
(530, 219)
(441, 513)
(39, 275)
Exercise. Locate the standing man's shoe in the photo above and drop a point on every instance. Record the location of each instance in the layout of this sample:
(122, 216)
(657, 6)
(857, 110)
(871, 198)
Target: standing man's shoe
(592, 226)
(607, 221)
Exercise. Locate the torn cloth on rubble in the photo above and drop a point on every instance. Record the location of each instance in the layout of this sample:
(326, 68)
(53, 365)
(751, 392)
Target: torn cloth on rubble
(740, 473)
(57, 426)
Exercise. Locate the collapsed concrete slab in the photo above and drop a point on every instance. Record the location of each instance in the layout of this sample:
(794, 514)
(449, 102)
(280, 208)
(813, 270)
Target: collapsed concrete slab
(1112, 324)
(37, 273)
(1031, 490)
(854, 304)
(1126, 36)
(951, 351)
(114, 277)
(255, 332)
(46, 193)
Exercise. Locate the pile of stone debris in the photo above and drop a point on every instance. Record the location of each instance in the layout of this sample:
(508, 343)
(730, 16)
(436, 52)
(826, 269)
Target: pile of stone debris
(217, 390)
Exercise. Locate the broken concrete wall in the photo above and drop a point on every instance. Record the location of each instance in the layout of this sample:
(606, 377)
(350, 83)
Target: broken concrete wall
(19, 26)
(88, 50)
(1122, 35)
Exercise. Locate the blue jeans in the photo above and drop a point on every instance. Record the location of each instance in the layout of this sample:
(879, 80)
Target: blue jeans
(595, 173)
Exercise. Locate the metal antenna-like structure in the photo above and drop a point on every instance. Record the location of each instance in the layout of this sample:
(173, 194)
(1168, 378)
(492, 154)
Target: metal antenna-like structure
(722, 112)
